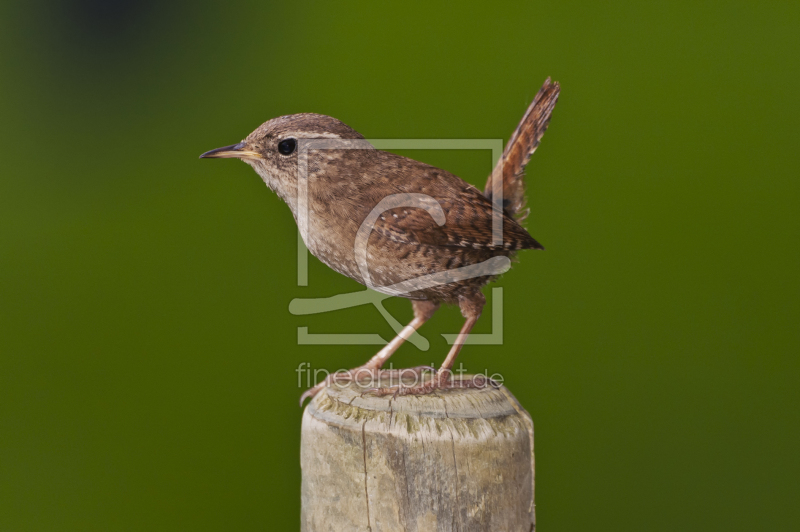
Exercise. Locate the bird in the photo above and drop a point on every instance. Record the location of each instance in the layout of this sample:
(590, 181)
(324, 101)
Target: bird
(397, 225)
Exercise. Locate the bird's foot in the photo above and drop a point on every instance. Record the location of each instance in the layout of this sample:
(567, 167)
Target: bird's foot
(443, 380)
(368, 376)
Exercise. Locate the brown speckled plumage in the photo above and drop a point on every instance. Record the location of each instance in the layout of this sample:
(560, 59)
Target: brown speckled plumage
(406, 242)
(510, 170)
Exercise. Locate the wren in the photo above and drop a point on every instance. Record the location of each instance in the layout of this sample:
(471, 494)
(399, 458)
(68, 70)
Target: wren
(397, 225)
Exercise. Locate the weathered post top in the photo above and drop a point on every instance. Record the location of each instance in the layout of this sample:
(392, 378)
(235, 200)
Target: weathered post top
(459, 459)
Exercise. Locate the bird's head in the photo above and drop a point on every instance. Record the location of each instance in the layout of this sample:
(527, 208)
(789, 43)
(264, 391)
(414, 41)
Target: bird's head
(275, 148)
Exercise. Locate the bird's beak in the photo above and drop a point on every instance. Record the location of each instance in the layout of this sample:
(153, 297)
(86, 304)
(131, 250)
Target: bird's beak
(234, 151)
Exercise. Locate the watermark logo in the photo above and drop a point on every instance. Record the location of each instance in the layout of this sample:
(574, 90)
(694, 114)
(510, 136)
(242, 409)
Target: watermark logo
(367, 380)
(375, 295)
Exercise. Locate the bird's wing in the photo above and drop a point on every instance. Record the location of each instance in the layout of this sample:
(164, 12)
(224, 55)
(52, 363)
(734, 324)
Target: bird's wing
(468, 223)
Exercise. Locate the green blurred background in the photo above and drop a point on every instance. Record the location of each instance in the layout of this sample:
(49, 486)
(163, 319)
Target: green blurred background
(147, 354)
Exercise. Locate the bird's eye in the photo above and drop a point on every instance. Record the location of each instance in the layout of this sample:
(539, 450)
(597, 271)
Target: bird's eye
(287, 147)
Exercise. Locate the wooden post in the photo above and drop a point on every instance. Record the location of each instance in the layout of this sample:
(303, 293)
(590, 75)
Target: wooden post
(458, 459)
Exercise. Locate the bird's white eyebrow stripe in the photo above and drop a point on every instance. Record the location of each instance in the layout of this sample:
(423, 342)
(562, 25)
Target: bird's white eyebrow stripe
(321, 135)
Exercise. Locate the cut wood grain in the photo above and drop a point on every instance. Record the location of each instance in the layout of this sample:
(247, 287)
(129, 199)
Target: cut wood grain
(456, 460)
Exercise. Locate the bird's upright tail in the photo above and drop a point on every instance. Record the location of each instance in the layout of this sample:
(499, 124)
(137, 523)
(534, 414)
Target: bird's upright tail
(508, 176)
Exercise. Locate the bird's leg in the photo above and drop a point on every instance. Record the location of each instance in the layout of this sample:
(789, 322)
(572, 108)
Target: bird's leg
(423, 310)
(471, 306)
